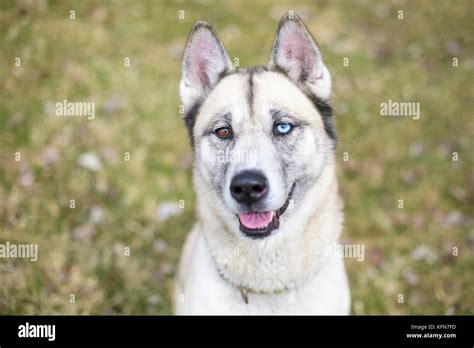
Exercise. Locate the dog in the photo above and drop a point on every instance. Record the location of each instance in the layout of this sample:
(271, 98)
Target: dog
(268, 205)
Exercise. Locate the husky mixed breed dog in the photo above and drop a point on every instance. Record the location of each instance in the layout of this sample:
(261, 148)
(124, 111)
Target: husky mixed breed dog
(268, 212)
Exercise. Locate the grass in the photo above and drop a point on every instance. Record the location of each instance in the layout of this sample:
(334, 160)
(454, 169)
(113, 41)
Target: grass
(409, 251)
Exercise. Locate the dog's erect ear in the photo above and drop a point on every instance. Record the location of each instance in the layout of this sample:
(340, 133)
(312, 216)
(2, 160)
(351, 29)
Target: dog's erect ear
(204, 60)
(295, 51)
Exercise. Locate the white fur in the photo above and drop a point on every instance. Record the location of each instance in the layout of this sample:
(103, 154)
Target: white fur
(294, 258)
(288, 272)
(206, 292)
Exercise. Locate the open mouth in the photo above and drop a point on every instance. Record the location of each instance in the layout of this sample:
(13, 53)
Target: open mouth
(258, 225)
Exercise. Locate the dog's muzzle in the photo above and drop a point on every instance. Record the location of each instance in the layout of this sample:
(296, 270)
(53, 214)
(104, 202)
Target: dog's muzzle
(257, 225)
(249, 187)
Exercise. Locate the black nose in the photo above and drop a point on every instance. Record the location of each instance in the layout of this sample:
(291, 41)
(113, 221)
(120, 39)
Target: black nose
(249, 187)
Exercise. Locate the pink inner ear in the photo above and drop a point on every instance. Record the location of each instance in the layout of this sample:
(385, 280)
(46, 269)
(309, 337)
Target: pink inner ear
(203, 52)
(299, 53)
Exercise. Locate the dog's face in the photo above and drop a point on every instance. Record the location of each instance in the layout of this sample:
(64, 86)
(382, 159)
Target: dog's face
(261, 136)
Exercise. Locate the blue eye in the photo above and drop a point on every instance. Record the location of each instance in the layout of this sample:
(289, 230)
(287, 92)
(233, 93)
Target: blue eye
(283, 128)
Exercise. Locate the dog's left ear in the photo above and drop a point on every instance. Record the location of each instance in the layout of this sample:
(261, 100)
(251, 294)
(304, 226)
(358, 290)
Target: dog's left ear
(295, 52)
(204, 60)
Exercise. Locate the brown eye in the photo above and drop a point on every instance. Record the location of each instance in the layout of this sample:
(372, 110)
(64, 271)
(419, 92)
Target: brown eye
(223, 132)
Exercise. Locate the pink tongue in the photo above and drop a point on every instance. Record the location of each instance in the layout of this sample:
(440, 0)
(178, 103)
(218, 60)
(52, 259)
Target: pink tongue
(256, 220)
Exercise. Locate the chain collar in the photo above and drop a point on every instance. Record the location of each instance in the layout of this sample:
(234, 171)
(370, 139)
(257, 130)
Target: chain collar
(244, 292)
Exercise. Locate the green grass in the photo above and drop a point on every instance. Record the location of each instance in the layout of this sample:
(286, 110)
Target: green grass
(137, 112)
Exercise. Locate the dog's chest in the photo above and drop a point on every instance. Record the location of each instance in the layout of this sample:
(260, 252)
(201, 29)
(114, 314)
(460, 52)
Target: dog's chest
(206, 292)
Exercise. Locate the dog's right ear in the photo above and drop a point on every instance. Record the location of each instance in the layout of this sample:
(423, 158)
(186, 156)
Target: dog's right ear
(204, 61)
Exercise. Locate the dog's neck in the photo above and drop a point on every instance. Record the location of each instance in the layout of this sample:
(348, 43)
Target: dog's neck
(287, 259)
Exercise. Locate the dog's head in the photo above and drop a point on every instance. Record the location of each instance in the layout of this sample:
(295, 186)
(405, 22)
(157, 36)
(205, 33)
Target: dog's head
(261, 136)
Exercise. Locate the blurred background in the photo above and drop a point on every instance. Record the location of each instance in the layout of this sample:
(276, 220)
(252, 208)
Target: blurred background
(129, 169)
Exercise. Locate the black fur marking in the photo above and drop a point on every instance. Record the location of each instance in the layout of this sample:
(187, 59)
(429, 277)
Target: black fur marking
(278, 69)
(325, 110)
(223, 74)
(255, 69)
(251, 72)
(190, 120)
(250, 91)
